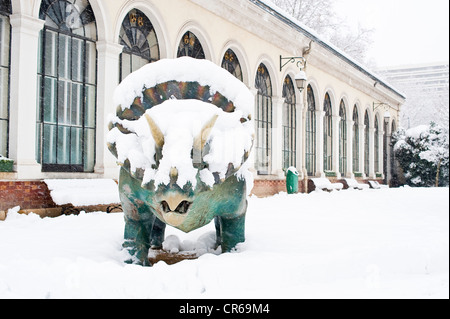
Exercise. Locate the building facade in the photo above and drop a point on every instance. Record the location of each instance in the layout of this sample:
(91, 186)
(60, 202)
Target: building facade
(60, 61)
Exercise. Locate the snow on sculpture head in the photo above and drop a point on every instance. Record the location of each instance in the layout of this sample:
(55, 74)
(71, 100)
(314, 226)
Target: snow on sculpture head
(184, 123)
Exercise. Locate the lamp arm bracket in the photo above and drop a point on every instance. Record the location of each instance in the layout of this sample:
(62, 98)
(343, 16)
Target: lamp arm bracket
(301, 63)
(377, 105)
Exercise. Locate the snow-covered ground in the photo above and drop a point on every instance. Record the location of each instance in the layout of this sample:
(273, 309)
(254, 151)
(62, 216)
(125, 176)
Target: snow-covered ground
(389, 243)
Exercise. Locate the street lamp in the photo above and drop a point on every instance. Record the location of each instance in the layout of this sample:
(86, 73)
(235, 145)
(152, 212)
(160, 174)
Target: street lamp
(300, 78)
(387, 116)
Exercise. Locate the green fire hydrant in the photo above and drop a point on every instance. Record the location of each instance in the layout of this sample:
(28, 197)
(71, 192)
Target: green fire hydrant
(292, 180)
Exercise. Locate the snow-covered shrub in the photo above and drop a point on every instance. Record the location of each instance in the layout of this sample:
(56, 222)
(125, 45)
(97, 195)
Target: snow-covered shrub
(422, 153)
(6, 164)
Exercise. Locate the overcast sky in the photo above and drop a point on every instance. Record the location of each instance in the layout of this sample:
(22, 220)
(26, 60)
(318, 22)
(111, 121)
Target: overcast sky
(406, 31)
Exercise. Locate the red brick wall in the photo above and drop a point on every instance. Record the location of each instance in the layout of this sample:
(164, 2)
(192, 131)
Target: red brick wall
(26, 194)
(264, 188)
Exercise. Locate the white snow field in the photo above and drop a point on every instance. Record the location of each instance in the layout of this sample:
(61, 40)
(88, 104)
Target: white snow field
(388, 243)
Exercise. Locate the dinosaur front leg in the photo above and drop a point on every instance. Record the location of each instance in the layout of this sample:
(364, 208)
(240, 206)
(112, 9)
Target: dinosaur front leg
(136, 242)
(157, 234)
(142, 228)
(232, 232)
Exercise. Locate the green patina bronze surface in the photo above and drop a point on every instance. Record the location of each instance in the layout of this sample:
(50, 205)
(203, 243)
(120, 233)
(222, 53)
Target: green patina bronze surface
(149, 208)
(145, 225)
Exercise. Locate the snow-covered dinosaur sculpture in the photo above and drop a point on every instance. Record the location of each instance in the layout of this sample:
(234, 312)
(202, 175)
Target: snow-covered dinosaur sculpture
(182, 135)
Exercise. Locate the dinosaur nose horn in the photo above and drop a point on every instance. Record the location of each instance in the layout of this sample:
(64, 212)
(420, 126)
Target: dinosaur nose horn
(173, 175)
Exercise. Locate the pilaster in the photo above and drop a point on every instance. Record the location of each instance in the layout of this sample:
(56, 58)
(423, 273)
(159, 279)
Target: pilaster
(23, 94)
(371, 152)
(349, 163)
(362, 155)
(319, 143)
(277, 137)
(108, 79)
(335, 144)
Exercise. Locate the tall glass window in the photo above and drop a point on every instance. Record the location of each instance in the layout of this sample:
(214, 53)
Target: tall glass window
(327, 135)
(67, 76)
(310, 150)
(138, 37)
(366, 143)
(263, 121)
(5, 40)
(392, 157)
(190, 46)
(342, 139)
(376, 147)
(230, 62)
(289, 124)
(355, 142)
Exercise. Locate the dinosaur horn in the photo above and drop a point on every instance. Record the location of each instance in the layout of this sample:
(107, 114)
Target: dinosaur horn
(158, 136)
(202, 138)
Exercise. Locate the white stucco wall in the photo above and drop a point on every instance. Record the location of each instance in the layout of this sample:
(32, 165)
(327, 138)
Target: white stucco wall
(253, 34)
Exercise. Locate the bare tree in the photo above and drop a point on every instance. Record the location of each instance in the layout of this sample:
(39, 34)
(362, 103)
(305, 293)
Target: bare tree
(316, 14)
(354, 43)
(320, 16)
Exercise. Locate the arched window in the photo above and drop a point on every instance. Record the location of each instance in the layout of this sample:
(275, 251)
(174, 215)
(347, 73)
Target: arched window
(376, 147)
(366, 143)
(355, 142)
(342, 139)
(392, 158)
(67, 87)
(263, 121)
(310, 150)
(289, 124)
(5, 40)
(327, 135)
(190, 46)
(230, 62)
(138, 37)
(393, 128)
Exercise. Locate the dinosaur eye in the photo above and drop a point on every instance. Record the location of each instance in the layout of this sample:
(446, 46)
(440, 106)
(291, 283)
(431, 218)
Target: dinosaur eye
(165, 207)
(183, 207)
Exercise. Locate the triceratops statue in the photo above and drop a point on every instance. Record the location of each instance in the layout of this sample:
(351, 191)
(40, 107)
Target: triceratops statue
(182, 135)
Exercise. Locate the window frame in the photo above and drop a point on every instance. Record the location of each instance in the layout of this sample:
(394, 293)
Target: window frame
(289, 124)
(355, 142)
(376, 146)
(147, 29)
(85, 82)
(264, 121)
(366, 144)
(327, 134)
(5, 12)
(311, 133)
(230, 62)
(342, 139)
(191, 46)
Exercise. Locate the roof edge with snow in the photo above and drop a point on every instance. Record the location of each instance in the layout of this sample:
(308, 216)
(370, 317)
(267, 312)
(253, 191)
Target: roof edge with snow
(296, 25)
